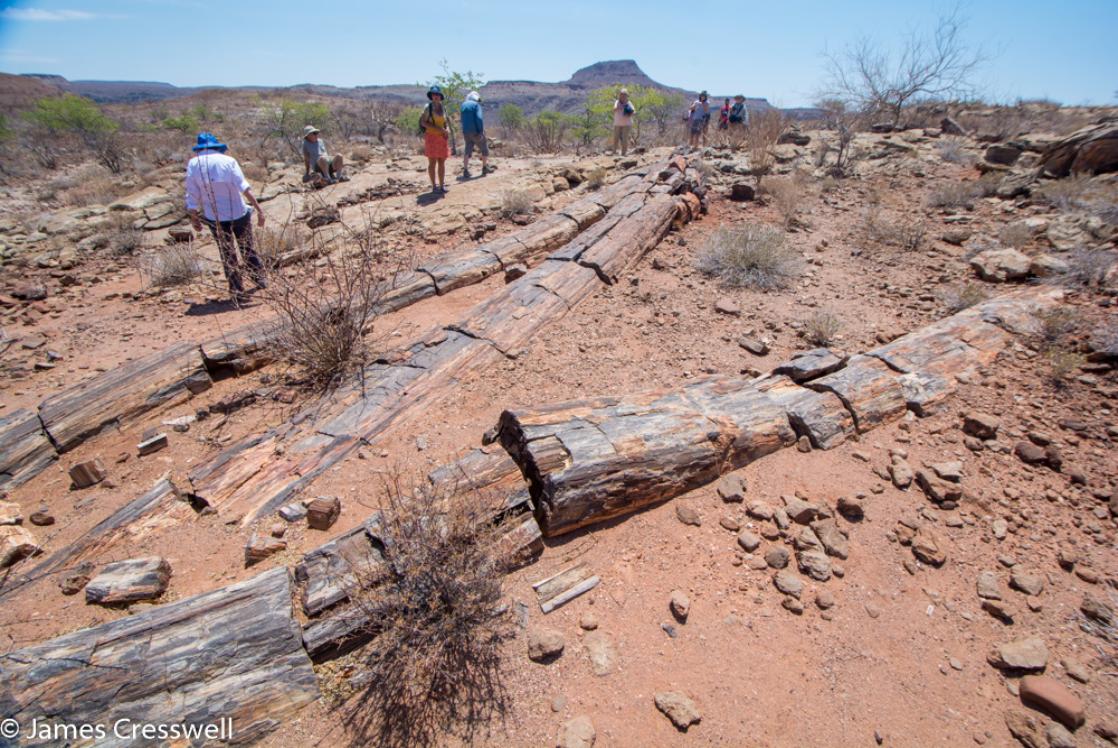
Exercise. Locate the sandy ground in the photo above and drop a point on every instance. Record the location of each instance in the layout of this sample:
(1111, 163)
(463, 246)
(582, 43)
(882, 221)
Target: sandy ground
(899, 659)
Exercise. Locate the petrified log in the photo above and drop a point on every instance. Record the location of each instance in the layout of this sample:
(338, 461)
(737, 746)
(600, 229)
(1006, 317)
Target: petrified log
(234, 653)
(122, 393)
(16, 543)
(25, 449)
(590, 460)
(253, 477)
(479, 468)
(323, 512)
(1091, 150)
(88, 473)
(869, 389)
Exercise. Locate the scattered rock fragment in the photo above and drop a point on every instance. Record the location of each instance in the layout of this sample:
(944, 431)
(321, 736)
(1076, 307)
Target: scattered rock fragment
(777, 557)
(987, 586)
(88, 473)
(814, 564)
(1023, 581)
(1096, 610)
(1046, 694)
(981, 425)
(544, 644)
(680, 605)
(152, 444)
(16, 543)
(293, 512)
(600, 651)
(678, 708)
(788, 583)
(577, 733)
(731, 488)
(260, 547)
(10, 513)
(1000, 265)
(129, 581)
(927, 547)
(42, 517)
(834, 540)
(323, 512)
(1025, 728)
(76, 580)
(686, 514)
(901, 473)
(1027, 655)
(1059, 737)
(748, 541)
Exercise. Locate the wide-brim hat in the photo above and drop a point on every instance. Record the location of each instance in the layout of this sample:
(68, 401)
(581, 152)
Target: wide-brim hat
(432, 91)
(310, 130)
(704, 95)
(624, 91)
(207, 141)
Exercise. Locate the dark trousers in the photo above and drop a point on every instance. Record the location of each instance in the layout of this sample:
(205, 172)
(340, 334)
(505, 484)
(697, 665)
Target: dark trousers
(225, 232)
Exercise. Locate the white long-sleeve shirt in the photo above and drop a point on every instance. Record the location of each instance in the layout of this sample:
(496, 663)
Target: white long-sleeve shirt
(215, 184)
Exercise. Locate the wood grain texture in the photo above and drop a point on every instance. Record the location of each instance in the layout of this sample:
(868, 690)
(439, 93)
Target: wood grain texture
(235, 652)
(25, 450)
(123, 393)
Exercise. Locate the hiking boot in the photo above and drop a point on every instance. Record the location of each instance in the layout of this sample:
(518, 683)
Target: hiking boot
(466, 173)
(484, 170)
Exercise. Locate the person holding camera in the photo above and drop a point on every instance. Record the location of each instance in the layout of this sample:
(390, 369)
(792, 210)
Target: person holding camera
(623, 112)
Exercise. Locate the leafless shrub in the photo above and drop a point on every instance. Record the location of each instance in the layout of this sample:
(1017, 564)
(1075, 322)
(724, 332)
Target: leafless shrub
(953, 195)
(1086, 268)
(958, 298)
(1062, 366)
(764, 128)
(326, 309)
(596, 178)
(952, 150)
(828, 185)
(361, 153)
(273, 245)
(1055, 324)
(845, 121)
(821, 328)
(787, 195)
(752, 255)
(1068, 193)
(936, 65)
(514, 203)
(908, 235)
(435, 609)
(176, 265)
(125, 241)
(1016, 234)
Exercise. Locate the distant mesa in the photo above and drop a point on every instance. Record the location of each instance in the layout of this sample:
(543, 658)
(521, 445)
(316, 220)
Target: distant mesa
(532, 96)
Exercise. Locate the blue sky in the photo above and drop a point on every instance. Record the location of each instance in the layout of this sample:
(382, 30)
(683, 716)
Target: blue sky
(1037, 48)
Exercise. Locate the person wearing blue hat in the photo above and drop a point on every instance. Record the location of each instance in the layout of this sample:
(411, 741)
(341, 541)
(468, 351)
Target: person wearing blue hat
(216, 187)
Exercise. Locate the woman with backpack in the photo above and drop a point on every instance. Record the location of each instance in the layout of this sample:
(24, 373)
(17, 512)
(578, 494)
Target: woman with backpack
(436, 137)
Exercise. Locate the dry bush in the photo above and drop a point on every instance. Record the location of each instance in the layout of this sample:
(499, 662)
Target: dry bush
(1068, 193)
(272, 244)
(958, 298)
(325, 310)
(1087, 268)
(1062, 366)
(361, 153)
(255, 173)
(435, 610)
(124, 241)
(764, 128)
(1055, 324)
(514, 203)
(821, 328)
(828, 184)
(175, 265)
(787, 195)
(908, 235)
(1016, 234)
(953, 195)
(953, 151)
(596, 178)
(752, 255)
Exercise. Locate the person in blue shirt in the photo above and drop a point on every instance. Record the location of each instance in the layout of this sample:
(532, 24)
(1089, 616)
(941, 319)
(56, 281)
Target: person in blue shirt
(473, 132)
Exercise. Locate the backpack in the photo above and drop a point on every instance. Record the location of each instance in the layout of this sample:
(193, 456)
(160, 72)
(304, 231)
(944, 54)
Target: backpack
(421, 130)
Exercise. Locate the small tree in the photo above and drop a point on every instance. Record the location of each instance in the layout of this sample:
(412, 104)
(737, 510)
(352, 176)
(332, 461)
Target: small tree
(287, 121)
(511, 118)
(845, 122)
(455, 86)
(652, 105)
(55, 119)
(928, 66)
(546, 131)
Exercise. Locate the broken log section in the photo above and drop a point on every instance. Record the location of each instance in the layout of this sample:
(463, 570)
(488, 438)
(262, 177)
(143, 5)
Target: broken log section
(254, 476)
(234, 653)
(589, 460)
(25, 450)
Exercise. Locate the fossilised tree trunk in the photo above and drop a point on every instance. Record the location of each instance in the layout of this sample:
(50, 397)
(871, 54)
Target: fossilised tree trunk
(25, 450)
(590, 460)
(1092, 150)
(234, 653)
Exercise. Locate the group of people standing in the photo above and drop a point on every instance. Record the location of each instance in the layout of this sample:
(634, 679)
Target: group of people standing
(733, 119)
(434, 124)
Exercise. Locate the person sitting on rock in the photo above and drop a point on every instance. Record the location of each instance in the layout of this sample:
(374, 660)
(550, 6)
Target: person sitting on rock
(216, 186)
(316, 160)
(473, 132)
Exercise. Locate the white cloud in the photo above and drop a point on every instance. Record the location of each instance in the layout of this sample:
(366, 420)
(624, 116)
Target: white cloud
(24, 58)
(41, 14)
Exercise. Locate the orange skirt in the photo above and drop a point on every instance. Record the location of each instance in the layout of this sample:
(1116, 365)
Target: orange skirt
(436, 145)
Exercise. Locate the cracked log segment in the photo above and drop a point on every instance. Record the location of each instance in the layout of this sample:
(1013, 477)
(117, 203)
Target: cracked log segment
(118, 395)
(232, 653)
(25, 450)
(255, 475)
(589, 460)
